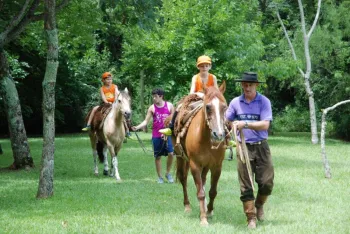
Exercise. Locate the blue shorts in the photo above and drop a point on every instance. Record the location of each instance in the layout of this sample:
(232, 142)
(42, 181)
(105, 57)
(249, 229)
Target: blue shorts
(161, 147)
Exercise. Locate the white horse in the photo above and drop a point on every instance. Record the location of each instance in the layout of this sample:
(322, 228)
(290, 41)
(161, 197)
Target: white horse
(112, 133)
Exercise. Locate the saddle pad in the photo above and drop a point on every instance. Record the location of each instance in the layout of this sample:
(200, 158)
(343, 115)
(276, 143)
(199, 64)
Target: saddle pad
(188, 104)
(100, 116)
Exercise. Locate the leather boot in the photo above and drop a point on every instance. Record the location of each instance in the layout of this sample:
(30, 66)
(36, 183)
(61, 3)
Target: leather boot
(259, 204)
(249, 211)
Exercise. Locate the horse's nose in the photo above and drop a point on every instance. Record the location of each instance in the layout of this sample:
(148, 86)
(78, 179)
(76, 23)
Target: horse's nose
(127, 115)
(217, 136)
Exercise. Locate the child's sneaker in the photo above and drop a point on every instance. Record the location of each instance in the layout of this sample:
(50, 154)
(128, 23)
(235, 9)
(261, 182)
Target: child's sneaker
(232, 143)
(87, 128)
(166, 131)
(160, 180)
(169, 178)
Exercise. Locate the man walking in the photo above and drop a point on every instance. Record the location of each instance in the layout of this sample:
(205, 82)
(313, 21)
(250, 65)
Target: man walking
(251, 112)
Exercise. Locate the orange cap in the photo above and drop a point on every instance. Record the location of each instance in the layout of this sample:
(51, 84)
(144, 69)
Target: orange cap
(203, 59)
(106, 74)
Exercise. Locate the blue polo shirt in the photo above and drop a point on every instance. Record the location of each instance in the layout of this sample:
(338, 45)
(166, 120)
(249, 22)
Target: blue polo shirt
(256, 110)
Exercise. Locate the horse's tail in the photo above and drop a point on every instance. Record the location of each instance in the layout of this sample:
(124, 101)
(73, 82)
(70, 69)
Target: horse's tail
(99, 148)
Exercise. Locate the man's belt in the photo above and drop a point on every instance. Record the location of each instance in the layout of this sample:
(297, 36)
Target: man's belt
(256, 143)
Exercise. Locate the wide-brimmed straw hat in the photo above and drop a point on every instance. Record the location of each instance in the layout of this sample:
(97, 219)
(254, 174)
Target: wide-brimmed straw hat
(250, 77)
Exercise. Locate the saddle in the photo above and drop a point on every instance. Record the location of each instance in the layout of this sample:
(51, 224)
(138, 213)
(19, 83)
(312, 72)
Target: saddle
(189, 107)
(100, 116)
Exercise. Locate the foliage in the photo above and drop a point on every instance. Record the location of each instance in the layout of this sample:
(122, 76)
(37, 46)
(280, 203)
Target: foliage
(84, 203)
(292, 119)
(168, 53)
(17, 67)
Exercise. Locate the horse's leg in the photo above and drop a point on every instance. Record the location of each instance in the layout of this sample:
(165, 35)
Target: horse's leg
(94, 152)
(105, 161)
(215, 175)
(204, 180)
(115, 171)
(182, 167)
(196, 173)
(115, 167)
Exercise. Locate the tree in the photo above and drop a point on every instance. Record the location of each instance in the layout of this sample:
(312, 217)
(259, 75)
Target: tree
(307, 73)
(8, 91)
(327, 168)
(19, 141)
(47, 161)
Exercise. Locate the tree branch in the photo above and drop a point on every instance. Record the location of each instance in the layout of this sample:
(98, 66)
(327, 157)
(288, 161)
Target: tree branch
(16, 19)
(15, 31)
(335, 106)
(61, 5)
(302, 18)
(29, 17)
(316, 18)
(288, 39)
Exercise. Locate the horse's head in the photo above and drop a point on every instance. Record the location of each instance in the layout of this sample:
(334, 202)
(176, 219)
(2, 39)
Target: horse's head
(123, 103)
(214, 107)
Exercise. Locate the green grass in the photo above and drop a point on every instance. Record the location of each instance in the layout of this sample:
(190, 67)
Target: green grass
(303, 201)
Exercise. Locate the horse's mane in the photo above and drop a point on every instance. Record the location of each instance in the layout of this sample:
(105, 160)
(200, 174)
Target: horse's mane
(125, 94)
(212, 92)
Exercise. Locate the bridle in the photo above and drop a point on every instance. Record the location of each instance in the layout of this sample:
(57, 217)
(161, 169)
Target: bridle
(208, 120)
(119, 107)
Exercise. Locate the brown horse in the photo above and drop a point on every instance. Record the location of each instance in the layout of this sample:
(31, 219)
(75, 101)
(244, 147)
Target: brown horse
(111, 135)
(204, 145)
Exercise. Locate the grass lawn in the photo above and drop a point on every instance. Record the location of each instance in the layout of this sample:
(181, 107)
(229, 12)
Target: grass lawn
(303, 201)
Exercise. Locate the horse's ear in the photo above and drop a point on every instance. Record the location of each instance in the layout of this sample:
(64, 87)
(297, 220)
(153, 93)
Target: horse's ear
(223, 87)
(126, 90)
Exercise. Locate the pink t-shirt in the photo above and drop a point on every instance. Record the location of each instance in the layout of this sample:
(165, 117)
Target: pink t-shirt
(159, 115)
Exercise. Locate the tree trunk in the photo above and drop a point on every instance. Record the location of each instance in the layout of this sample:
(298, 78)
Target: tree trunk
(306, 75)
(46, 187)
(313, 121)
(327, 168)
(19, 141)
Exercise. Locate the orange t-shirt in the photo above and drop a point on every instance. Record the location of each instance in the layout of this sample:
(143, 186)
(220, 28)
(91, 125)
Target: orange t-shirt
(109, 92)
(199, 87)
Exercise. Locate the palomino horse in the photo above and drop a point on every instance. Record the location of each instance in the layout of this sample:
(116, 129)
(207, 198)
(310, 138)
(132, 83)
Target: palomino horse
(112, 133)
(204, 145)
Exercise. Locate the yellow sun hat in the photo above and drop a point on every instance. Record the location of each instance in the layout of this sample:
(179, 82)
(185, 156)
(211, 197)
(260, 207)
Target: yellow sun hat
(203, 59)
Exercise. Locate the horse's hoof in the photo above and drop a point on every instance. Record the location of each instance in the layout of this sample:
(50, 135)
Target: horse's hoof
(96, 173)
(105, 172)
(188, 209)
(119, 180)
(210, 214)
(204, 223)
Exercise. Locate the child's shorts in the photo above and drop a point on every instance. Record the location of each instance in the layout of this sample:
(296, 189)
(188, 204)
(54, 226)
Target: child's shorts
(161, 147)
